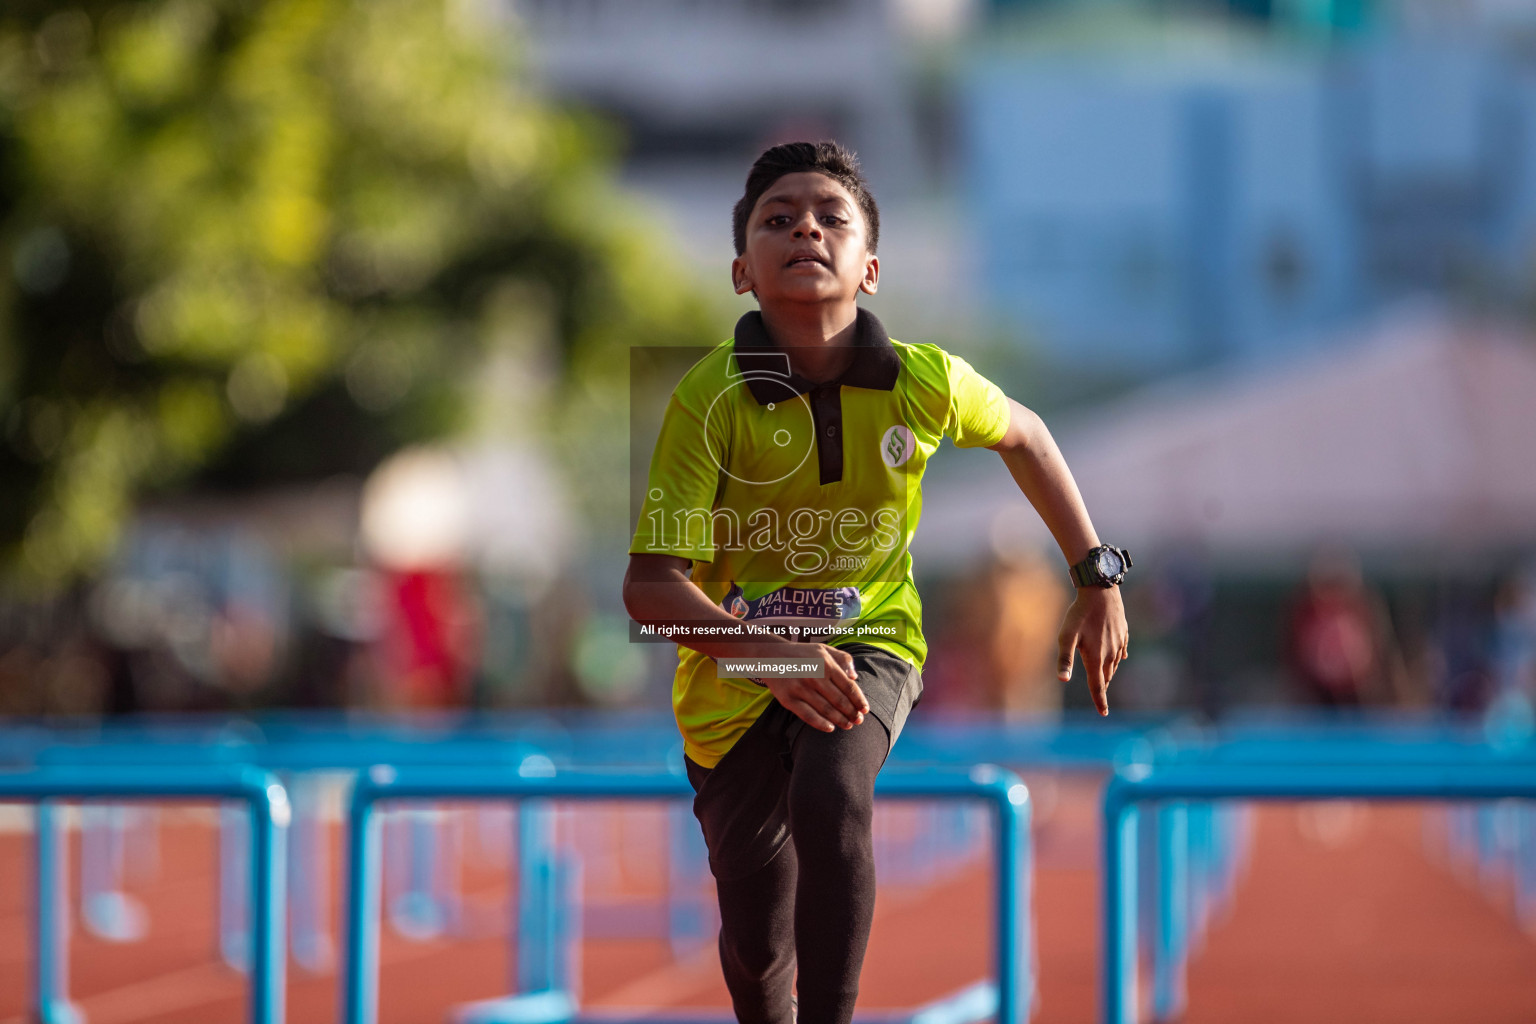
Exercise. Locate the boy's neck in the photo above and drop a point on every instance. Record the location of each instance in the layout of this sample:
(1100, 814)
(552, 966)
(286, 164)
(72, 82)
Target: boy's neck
(818, 337)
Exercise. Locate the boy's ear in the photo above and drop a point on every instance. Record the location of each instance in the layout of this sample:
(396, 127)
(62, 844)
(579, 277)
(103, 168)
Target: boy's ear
(871, 282)
(741, 279)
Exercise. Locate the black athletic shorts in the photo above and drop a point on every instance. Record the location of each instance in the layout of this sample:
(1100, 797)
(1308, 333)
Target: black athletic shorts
(742, 803)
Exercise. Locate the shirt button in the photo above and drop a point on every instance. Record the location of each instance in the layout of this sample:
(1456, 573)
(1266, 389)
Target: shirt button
(832, 430)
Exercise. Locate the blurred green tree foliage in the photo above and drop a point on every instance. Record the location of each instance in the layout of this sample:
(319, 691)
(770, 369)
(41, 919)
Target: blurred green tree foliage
(248, 242)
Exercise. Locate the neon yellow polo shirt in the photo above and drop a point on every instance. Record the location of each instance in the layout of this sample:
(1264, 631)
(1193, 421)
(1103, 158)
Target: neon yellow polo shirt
(796, 501)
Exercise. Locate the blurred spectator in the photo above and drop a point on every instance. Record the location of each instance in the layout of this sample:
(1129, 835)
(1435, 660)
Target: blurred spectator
(430, 641)
(415, 526)
(1512, 654)
(1171, 611)
(47, 661)
(557, 624)
(1458, 649)
(1514, 635)
(610, 670)
(1339, 640)
(333, 650)
(187, 621)
(996, 650)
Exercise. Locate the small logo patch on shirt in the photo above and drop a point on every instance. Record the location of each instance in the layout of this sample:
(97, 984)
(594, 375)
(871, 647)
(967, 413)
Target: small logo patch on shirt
(897, 446)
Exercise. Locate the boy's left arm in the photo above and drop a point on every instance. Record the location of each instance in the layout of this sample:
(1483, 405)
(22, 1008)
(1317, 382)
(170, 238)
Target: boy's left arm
(1095, 623)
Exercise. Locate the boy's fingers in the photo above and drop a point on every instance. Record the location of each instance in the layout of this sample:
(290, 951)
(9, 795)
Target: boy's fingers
(842, 675)
(839, 707)
(809, 715)
(1066, 647)
(856, 697)
(1097, 686)
(845, 662)
(835, 691)
(801, 698)
(824, 697)
(845, 691)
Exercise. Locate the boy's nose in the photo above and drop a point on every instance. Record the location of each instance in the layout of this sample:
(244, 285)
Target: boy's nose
(808, 226)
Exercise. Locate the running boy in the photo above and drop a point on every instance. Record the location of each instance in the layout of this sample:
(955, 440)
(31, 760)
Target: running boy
(783, 491)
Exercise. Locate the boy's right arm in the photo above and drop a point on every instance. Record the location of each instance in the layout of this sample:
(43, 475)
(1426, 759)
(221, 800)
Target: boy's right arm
(658, 592)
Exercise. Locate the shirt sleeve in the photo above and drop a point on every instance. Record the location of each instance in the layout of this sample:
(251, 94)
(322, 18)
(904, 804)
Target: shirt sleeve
(978, 410)
(682, 483)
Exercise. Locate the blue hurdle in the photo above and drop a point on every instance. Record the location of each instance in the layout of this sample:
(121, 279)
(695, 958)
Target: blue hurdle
(1184, 837)
(269, 812)
(294, 758)
(1139, 784)
(1007, 999)
(300, 748)
(301, 745)
(1325, 742)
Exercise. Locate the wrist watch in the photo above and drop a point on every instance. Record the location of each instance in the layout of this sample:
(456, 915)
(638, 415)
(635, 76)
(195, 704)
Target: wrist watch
(1105, 566)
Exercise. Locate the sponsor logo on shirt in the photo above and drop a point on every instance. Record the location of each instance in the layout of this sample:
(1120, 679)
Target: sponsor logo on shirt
(796, 605)
(897, 445)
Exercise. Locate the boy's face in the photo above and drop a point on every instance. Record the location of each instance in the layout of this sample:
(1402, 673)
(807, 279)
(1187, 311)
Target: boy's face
(806, 243)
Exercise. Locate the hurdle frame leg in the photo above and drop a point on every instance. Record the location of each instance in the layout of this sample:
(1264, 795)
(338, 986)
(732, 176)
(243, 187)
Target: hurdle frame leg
(106, 910)
(1170, 958)
(537, 967)
(268, 888)
(1525, 866)
(51, 1002)
(234, 894)
(1120, 998)
(309, 876)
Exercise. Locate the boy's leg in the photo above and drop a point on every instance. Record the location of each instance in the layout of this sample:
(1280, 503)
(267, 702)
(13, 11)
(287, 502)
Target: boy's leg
(768, 904)
(757, 940)
(831, 814)
(831, 810)
(742, 806)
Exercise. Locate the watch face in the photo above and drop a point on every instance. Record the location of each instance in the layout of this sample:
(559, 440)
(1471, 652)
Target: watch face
(1110, 564)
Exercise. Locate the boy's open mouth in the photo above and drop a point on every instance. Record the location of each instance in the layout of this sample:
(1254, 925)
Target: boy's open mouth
(806, 257)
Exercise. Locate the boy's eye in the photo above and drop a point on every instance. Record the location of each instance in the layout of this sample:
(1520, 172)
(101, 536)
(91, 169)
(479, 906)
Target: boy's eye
(774, 220)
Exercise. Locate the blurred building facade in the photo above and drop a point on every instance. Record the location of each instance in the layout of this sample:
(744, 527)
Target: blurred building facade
(698, 90)
(1150, 185)
(1162, 214)
(698, 83)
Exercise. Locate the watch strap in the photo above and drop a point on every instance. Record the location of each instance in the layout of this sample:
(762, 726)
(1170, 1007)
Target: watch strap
(1079, 573)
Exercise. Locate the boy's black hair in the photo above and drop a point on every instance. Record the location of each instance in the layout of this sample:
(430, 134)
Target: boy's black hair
(827, 157)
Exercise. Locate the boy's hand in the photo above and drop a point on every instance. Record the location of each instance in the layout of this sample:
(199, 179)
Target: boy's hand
(1094, 628)
(835, 702)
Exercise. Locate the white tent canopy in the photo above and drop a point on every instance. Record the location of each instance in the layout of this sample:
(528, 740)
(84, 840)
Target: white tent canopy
(1419, 436)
